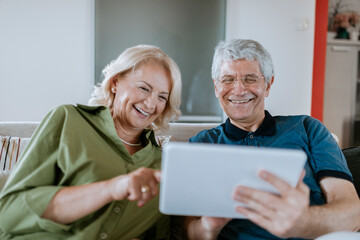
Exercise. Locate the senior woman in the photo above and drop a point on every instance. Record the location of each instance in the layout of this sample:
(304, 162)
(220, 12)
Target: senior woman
(91, 172)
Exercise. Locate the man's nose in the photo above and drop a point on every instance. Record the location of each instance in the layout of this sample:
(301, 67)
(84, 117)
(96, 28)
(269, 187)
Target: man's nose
(238, 85)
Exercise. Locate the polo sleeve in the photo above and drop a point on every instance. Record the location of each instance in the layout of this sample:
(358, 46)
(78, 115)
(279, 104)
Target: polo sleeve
(326, 158)
(33, 182)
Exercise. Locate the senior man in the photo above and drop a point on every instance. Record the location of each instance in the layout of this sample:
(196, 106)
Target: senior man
(324, 199)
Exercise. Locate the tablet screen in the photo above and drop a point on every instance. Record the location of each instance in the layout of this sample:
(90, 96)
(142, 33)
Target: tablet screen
(198, 179)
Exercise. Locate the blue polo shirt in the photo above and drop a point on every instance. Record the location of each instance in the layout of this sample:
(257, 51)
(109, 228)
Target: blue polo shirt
(325, 158)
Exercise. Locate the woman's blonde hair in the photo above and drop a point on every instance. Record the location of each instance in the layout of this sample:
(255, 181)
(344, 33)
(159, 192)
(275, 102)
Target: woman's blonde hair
(131, 59)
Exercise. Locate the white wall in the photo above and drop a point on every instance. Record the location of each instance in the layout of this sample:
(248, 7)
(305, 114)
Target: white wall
(286, 29)
(46, 56)
(47, 52)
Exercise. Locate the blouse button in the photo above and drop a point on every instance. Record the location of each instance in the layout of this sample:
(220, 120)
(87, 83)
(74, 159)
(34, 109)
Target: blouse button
(251, 136)
(116, 209)
(103, 235)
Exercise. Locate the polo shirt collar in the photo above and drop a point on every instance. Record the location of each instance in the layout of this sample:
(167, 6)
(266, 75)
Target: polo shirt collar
(267, 128)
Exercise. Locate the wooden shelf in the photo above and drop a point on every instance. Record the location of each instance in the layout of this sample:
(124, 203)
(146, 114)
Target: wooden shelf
(342, 58)
(343, 42)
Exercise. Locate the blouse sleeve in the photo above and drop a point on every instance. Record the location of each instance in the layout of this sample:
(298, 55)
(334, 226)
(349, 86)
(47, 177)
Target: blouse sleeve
(33, 183)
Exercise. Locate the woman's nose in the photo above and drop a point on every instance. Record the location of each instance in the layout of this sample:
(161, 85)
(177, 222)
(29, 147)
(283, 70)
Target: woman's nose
(151, 101)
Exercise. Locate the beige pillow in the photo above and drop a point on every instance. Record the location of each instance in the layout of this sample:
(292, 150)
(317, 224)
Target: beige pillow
(4, 175)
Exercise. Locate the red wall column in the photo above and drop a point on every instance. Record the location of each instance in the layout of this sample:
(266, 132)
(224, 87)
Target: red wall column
(321, 20)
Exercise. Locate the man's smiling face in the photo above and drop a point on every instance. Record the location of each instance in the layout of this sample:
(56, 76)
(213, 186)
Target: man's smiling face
(242, 100)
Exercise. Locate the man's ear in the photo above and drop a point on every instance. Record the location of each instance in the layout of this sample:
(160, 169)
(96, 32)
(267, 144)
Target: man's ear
(268, 86)
(215, 88)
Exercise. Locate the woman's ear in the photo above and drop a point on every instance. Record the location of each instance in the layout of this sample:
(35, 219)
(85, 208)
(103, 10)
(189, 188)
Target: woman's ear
(113, 81)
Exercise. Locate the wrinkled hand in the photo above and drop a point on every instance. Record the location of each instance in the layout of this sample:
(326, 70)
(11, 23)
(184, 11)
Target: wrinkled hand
(140, 185)
(284, 215)
(213, 224)
(204, 227)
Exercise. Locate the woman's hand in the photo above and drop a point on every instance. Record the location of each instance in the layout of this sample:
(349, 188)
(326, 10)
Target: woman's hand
(140, 185)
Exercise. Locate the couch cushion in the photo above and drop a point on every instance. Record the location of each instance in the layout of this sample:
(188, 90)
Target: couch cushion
(19, 129)
(343, 235)
(181, 132)
(352, 155)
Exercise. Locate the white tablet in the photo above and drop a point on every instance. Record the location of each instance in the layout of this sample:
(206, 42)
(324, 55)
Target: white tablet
(198, 179)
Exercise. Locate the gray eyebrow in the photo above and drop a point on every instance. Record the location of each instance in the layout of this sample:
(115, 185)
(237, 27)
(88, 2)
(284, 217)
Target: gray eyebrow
(252, 74)
(226, 75)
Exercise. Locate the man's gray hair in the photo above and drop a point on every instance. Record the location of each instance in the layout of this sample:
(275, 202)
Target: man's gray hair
(236, 49)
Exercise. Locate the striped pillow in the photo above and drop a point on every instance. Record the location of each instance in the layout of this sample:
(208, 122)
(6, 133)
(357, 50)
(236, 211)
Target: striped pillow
(10, 152)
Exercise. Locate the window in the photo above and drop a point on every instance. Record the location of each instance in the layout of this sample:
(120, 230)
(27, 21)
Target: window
(187, 30)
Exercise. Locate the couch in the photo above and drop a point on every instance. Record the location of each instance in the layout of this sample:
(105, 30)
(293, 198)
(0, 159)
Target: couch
(14, 136)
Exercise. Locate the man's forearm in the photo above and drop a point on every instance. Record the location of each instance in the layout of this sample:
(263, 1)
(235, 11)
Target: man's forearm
(340, 213)
(331, 217)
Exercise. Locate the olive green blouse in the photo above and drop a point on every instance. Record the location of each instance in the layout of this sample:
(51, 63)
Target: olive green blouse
(74, 146)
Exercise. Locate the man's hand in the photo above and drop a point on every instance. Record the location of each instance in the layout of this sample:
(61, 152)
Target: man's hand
(213, 224)
(285, 214)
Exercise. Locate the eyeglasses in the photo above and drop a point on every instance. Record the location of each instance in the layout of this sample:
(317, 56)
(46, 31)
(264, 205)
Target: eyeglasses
(247, 80)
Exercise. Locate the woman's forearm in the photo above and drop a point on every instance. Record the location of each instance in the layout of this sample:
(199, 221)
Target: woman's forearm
(72, 203)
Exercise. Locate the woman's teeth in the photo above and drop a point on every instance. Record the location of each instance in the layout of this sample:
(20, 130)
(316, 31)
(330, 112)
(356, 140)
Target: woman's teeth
(142, 112)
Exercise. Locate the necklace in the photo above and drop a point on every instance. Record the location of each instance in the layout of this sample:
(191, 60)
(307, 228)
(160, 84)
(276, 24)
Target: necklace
(130, 144)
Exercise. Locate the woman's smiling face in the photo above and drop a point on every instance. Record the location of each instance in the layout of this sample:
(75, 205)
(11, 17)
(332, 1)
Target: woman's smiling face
(141, 95)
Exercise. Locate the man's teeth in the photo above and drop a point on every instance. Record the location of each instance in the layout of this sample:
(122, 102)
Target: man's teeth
(142, 112)
(240, 101)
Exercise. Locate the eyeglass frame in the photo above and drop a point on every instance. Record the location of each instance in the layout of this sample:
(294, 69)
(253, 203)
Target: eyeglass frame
(233, 80)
